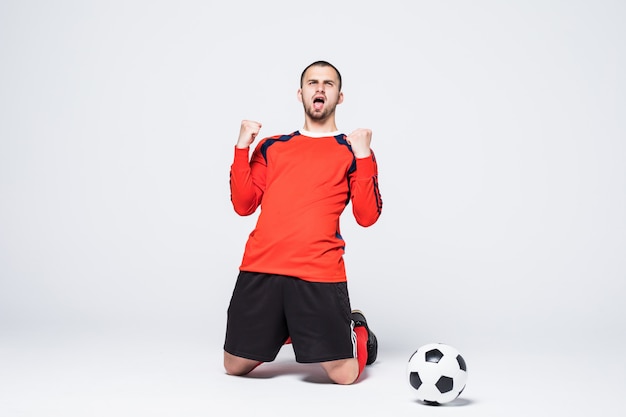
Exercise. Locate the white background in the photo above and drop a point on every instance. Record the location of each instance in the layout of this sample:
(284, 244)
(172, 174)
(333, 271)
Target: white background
(500, 134)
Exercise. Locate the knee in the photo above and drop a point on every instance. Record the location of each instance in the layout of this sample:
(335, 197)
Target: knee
(234, 369)
(234, 365)
(345, 378)
(344, 372)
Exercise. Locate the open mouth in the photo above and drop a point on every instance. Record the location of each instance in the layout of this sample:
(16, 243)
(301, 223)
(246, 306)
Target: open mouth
(318, 103)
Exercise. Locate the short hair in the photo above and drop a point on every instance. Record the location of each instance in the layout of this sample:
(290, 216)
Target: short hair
(320, 64)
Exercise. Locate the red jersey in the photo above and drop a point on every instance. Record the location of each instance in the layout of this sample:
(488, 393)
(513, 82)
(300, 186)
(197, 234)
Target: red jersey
(302, 182)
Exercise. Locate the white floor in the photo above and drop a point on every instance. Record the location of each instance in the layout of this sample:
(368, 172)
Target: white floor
(113, 375)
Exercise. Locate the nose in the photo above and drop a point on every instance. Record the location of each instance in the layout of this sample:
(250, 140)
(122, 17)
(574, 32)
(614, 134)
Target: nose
(320, 87)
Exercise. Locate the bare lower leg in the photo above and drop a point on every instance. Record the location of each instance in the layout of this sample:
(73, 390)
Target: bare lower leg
(235, 365)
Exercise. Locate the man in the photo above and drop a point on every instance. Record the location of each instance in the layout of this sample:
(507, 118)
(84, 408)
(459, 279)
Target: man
(292, 285)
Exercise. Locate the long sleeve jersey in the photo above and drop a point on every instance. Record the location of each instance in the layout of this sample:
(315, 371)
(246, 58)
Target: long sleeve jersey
(302, 182)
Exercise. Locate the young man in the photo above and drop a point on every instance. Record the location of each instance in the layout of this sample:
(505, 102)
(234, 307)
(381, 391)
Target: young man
(292, 284)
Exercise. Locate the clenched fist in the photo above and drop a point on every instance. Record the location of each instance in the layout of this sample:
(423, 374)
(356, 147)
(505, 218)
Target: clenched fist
(360, 141)
(248, 132)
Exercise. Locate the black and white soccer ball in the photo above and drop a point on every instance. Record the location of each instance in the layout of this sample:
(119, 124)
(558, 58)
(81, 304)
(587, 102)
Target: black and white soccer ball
(437, 372)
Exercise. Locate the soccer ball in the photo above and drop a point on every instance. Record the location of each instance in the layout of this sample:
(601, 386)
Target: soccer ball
(437, 372)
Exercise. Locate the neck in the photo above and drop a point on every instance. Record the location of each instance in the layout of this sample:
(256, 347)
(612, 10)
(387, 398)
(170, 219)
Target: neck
(326, 125)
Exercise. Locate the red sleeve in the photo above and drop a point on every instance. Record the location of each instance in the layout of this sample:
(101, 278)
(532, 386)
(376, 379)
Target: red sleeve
(366, 201)
(247, 181)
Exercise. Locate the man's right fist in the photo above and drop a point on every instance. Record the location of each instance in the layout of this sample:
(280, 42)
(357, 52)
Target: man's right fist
(248, 132)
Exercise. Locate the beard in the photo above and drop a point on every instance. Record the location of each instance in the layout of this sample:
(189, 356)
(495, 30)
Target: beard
(317, 115)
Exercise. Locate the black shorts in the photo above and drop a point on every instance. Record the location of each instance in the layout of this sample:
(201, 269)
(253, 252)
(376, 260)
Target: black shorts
(266, 309)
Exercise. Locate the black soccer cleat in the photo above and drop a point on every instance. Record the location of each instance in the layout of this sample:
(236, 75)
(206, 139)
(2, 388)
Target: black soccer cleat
(372, 342)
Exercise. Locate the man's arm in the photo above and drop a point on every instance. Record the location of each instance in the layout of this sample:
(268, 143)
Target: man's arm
(367, 203)
(247, 180)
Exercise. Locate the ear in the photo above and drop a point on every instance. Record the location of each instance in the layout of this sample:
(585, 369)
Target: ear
(299, 94)
(340, 100)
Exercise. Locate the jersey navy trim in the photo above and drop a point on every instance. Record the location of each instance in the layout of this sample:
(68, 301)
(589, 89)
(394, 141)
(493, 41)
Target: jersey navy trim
(270, 142)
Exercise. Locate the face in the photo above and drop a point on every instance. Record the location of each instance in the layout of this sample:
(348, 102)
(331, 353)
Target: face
(320, 92)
